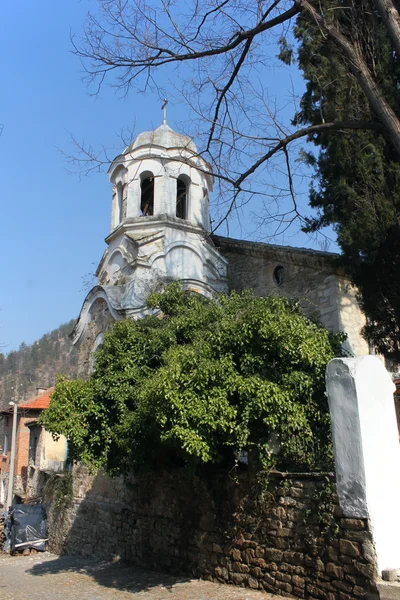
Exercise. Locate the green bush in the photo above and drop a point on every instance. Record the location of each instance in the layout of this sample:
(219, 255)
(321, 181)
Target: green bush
(199, 382)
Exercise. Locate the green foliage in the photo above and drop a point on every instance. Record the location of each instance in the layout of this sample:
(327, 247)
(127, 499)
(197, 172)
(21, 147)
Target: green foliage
(357, 183)
(204, 381)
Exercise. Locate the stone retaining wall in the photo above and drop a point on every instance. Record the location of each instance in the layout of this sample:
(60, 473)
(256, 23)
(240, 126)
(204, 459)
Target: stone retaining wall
(285, 535)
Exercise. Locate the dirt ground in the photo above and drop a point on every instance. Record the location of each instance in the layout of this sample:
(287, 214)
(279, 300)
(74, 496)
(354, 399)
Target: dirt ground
(45, 576)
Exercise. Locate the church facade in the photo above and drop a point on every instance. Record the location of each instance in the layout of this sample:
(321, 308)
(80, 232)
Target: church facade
(160, 232)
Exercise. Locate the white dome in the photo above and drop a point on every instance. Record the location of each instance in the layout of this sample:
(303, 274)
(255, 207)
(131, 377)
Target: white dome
(163, 137)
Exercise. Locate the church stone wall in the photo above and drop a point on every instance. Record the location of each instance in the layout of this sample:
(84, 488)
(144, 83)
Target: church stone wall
(286, 535)
(308, 276)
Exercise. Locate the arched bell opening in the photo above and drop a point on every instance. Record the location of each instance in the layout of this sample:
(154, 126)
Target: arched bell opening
(182, 197)
(147, 194)
(120, 200)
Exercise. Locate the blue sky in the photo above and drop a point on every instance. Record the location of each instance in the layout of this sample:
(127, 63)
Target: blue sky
(53, 224)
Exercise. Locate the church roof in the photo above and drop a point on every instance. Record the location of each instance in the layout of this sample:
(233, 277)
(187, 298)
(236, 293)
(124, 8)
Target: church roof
(164, 137)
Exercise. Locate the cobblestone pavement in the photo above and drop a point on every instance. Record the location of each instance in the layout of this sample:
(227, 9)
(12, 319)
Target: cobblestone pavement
(50, 577)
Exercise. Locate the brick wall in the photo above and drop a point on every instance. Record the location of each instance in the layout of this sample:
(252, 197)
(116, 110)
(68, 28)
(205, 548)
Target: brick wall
(22, 452)
(285, 536)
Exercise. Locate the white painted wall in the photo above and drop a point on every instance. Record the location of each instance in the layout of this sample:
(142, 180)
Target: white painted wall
(367, 449)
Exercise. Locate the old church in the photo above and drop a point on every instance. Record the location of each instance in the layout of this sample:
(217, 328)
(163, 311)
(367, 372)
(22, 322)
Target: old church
(160, 232)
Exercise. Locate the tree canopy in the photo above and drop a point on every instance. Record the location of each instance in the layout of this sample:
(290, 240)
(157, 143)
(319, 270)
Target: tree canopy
(200, 382)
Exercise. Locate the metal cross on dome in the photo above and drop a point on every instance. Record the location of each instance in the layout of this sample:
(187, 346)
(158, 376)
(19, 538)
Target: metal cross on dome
(164, 108)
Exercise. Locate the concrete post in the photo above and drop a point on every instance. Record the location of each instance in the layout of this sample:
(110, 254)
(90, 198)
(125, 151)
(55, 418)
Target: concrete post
(367, 449)
(10, 491)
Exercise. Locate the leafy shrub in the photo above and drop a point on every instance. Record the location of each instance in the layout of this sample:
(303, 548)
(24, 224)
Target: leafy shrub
(199, 382)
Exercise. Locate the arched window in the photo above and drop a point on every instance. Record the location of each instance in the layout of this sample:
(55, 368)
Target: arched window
(120, 193)
(181, 198)
(147, 196)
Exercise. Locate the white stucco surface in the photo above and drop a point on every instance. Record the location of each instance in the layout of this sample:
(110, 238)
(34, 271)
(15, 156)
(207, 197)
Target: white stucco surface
(367, 450)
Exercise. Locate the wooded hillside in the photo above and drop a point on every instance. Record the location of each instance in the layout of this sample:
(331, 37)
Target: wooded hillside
(23, 370)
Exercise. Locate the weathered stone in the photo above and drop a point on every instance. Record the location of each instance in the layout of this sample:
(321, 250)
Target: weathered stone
(352, 523)
(359, 591)
(236, 554)
(248, 555)
(284, 586)
(319, 565)
(238, 578)
(283, 577)
(389, 574)
(332, 554)
(343, 596)
(269, 579)
(273, 554)
(295, 558)
(325, 585)
(239, 567)
(259, 552)
(366, 570)
(297, 492)
(342, 585)
(298, 581)
(349, 548)
(355, 535)
(284, 532)
(335, 571)
(221, 573)
(314, 591)
(279, 512)
(368, 551)
(287, 501)
(253, 583)
(256, 571)
(259, 562)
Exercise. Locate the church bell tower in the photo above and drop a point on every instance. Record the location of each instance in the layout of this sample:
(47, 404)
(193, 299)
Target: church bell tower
(160, 222)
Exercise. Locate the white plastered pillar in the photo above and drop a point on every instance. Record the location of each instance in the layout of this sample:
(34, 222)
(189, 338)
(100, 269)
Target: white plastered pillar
(367, 449)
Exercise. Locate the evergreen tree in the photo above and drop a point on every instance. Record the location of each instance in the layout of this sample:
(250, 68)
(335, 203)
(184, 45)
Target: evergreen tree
(357, 185)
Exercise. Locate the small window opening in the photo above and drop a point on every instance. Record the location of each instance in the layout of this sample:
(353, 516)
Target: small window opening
(147, 197)
(120, 191)
(279, 275)
(181, 199)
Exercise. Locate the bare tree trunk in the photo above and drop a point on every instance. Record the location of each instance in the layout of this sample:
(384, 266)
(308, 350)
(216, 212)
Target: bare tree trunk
(391, 18)
(360, 70)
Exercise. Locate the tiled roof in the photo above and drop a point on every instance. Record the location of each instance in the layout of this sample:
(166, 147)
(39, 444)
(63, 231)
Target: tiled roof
(39, 402)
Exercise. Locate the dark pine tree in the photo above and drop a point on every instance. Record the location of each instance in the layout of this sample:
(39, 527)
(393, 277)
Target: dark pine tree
(357, 185)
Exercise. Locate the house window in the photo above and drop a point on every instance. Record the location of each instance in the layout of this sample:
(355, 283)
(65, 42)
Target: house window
(147, 196)
(181, 199)
(34, 437)
(5, 446)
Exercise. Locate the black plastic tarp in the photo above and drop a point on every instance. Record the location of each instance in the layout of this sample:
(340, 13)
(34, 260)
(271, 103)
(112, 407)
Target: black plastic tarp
(27, 526)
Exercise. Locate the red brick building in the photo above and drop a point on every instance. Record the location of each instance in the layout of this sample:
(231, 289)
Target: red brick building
(35, 448)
